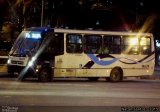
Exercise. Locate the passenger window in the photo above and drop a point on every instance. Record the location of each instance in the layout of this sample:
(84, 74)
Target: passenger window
(112, 43)
(145, 45)
(92, 44)
(130, 45)
(74, 43)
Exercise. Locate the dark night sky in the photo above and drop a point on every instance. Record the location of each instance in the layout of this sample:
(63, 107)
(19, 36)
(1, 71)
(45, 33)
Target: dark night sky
(109, 14)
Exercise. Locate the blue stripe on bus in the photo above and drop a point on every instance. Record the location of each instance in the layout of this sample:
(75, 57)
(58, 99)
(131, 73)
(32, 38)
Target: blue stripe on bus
(96, 60)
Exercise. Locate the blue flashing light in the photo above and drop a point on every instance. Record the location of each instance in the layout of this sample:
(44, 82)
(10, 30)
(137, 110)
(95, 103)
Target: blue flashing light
(45, 29)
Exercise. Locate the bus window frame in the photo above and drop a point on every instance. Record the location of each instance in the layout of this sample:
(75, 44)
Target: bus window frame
(113, 45)
(149, 46)
(129, 49)
(78, 47)
(98, 46)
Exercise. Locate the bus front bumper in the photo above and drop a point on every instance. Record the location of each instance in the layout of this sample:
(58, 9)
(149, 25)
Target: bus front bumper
(18, 69)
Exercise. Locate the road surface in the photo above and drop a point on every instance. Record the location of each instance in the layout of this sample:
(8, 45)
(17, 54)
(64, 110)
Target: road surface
(78, 94)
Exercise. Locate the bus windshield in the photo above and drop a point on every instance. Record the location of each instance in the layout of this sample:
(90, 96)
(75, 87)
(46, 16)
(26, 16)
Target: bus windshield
(27, 43)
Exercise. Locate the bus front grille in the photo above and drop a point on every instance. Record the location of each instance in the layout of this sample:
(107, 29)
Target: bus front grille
(17, 62)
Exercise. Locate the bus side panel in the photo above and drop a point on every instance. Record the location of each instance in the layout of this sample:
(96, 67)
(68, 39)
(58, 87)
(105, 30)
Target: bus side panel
(61, 68)
(73, 65)
(86, 73)
(141, 68)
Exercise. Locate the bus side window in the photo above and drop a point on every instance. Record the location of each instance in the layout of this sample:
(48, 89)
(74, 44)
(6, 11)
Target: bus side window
(112, 43)
(92, 44)
(131, 45)
(116, 47)
(145, 44)
(56, 45)
(73, 43)
(134, 50)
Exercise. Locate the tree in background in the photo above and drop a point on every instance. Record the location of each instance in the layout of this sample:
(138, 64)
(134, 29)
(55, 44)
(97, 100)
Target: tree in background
(3, 5)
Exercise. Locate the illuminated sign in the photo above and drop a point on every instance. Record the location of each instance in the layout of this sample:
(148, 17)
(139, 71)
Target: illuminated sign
(34, 35)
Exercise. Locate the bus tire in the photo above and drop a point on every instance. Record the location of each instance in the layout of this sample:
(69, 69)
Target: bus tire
(93, 78)
(116, 75)
(45, 75)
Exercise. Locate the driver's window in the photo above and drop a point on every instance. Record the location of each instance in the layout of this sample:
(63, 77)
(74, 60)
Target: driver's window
(56, 45)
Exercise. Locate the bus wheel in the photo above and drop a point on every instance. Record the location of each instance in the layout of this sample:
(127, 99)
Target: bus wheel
(45, 75)
(93, 78)
(116, 75)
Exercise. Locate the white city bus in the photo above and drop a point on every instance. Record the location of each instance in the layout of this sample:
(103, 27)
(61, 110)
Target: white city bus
(48, 53)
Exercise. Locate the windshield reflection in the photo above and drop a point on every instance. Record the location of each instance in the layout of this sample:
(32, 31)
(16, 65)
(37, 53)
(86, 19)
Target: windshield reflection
(25, 45)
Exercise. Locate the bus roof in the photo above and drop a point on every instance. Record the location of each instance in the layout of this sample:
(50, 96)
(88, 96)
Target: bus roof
(39, 29)
(62, 30)
(59, 30)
